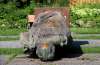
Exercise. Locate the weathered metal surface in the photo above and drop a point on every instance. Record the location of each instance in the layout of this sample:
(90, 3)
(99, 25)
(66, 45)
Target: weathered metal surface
(49, 26)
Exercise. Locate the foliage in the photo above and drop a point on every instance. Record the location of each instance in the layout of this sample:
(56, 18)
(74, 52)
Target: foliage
(61, 3)
(89, 5)
(12, 17)
(86, 12)
(85, 16)
(22, 3)
(52, 3)
(15, 17)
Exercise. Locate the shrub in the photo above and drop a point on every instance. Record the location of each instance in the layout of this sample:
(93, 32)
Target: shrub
(89, 5)
(52, 3)
(85, 17)
(12, 17)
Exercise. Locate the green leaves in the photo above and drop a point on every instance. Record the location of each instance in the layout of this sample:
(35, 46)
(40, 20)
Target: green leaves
(86, 12)
(86, 15)
(12, 17)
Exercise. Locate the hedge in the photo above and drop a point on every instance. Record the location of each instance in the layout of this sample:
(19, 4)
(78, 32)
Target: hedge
(13, 17)
(82, 16)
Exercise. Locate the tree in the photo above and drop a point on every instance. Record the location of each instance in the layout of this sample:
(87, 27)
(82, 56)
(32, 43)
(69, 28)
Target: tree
(22, 3)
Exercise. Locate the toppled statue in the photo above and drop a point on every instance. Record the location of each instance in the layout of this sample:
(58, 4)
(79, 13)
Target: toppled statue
(49, 29)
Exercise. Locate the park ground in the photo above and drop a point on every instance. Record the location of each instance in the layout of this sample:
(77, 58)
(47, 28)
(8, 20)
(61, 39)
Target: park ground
(83, 52)
(85, 29)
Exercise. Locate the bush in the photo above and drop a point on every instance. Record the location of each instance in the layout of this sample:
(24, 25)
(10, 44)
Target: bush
(89, 5)
(12, 17)
(85, 17)
(52, 3)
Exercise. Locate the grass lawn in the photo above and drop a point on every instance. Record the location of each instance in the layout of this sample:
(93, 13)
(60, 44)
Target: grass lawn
(84, 49)
(85, 37)
(91, 50)
(86, 30)
(16, 51)
(8, 51)
(16, 32)
(11, 53)
(8, 32)
(74, 37)
(9, 39)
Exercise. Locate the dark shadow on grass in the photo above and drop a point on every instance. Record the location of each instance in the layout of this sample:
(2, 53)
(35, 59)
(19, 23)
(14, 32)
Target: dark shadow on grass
(68, 51)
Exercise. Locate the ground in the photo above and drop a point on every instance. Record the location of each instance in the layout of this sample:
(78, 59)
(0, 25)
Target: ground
(67, 59)
(85, 59)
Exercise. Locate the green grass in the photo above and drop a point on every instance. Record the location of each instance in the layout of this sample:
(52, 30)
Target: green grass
(7, 32)
(16, 32)
(74, 37)
(10, 57)
(10, 32)
(91, 50)
(85, 37)
(15, 51)
(9, 39)
(84, 49)
(86, 30)
(8, 51)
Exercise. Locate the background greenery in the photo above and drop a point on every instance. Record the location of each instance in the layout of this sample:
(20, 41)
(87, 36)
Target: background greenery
(85, 15)
(13, 15)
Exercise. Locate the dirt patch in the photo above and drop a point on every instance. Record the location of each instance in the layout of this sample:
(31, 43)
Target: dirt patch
(89, 59)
